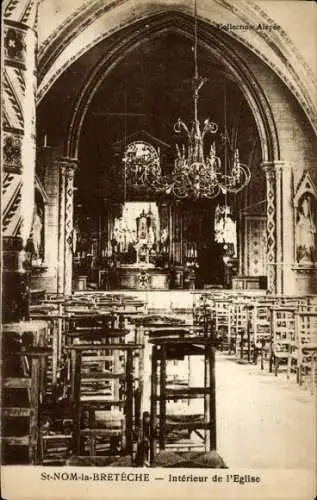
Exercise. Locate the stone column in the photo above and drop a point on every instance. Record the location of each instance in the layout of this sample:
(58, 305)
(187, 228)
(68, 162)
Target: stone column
(288, 285)
(279, 225)
(18, 150)
(61, 230)
(48, 172)
(271, 199)
(67, 168)
(280, 229)
(69, 226)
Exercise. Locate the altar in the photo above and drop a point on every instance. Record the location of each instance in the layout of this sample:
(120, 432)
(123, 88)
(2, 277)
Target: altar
(141, 243)
(138, 277)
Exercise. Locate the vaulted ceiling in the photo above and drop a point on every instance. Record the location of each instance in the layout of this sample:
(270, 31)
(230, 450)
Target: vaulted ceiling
(150, 90)
(108, 68)
(67, 30)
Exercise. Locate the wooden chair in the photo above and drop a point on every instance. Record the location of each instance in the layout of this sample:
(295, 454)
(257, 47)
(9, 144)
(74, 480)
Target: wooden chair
(55, 448)
(260, 326)
(24, 353)
(283, 335)
(57, 322)
(305, 346)
(203, 314)
(102, 387)
(168, 347)
(222, 307)
(239, 328)
(210, 311)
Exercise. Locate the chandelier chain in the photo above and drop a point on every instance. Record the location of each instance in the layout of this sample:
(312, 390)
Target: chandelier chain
(195, 174)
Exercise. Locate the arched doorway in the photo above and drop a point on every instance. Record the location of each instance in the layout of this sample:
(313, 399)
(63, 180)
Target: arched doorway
(147, 90)
(144, 40)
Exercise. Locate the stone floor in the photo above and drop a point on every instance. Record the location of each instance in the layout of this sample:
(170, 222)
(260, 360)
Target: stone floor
(263, 421)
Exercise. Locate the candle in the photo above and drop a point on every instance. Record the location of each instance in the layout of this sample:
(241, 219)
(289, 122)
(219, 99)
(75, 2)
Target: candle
(45, 140)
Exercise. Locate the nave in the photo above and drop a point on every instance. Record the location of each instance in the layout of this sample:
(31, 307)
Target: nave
(159, 240)
(196, 379)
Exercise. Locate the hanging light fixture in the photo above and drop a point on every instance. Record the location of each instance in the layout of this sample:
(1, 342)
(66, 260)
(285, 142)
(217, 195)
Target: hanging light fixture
(195, 174)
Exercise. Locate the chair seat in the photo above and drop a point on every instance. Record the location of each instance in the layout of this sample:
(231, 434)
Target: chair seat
(281, 355)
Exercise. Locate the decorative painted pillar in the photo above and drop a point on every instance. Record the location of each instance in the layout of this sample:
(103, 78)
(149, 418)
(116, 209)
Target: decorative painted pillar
(271, 198)
(288, 278)
(280, 242)
(67, 168)
(61, 230)
(69, 225)
(18, 150)
(279, 225)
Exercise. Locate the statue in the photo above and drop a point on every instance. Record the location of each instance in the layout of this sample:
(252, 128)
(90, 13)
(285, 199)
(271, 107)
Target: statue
(151, 236)
(225, 228)
(164, 236)
(146, 236)
(142, 228)
(151, 224)
(305, 232)
(37, 232)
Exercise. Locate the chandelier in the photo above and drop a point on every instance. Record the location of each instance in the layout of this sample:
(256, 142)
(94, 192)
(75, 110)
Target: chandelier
(195, 174)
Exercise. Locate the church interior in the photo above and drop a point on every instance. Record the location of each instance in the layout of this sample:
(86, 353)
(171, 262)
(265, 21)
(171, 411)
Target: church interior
(159, 231)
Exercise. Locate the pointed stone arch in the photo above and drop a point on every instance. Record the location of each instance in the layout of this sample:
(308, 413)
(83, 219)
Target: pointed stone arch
(210, 39)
